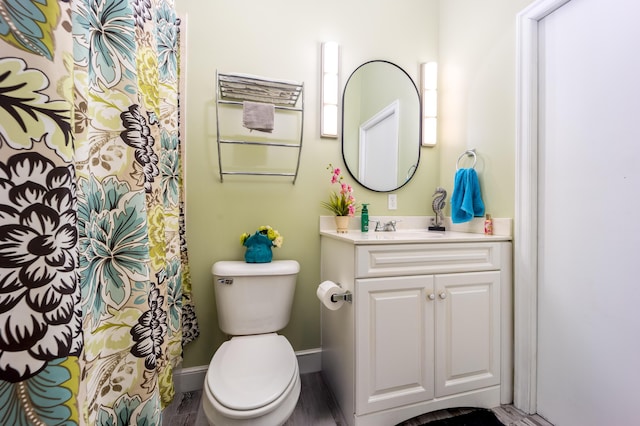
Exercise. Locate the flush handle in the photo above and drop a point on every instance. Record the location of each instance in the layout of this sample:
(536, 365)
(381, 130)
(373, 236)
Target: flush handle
(227, 281)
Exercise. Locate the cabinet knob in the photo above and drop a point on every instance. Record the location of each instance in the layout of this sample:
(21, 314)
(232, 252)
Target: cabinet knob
(431, 296)
(443, 295)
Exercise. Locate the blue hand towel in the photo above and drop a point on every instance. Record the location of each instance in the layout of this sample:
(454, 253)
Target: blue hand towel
(466, 200)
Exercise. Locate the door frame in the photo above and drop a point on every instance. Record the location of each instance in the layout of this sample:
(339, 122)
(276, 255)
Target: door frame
(526, 204)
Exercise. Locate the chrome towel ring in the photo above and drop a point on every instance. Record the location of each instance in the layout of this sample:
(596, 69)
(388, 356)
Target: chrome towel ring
(470, 153)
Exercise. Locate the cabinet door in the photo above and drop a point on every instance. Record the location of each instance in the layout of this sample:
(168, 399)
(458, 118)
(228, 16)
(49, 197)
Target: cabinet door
(394, 342)
(467, 331)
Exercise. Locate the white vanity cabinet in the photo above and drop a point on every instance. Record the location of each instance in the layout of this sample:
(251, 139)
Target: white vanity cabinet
(429, 326)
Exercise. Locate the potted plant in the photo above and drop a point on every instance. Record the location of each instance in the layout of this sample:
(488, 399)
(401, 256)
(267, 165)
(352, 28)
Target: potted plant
(260, 243)
(342, 203)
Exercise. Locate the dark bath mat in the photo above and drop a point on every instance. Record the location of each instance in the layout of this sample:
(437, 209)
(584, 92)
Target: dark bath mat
(475, 418)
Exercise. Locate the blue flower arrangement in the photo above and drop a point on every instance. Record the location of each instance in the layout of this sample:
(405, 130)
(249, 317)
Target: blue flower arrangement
(260, 243)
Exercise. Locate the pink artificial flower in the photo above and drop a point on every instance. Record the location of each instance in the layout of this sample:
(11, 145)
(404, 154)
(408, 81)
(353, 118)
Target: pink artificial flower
(342, 203)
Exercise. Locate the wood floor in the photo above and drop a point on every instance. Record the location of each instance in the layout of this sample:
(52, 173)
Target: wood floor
(316, 407)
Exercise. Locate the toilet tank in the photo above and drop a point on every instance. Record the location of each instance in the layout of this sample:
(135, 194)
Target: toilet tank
(254, 298)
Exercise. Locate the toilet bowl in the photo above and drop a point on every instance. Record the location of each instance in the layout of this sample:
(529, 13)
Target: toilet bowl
(253, 378)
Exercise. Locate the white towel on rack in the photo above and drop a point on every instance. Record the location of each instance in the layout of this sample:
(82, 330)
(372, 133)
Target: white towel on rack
(258, 116)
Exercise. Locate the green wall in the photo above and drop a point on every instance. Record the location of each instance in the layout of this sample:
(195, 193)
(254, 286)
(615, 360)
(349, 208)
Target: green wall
(477, 48)
(282, 40)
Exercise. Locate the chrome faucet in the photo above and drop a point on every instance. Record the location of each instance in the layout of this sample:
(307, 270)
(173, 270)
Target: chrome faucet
(385, 227)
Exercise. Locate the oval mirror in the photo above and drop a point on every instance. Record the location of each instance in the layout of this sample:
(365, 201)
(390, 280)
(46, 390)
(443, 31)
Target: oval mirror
(381, 126)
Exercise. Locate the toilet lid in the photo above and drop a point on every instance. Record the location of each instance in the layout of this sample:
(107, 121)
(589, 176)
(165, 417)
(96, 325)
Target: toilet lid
(249, 372)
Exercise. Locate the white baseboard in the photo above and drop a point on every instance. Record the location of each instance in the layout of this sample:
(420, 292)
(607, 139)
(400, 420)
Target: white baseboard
(191, 379)
(310, 360)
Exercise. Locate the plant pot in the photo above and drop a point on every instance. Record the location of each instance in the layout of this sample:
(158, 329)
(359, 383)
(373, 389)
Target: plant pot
(342, 224)
(258, 249)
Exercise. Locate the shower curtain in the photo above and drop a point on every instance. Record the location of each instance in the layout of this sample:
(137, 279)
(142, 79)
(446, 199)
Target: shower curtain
(95, 300)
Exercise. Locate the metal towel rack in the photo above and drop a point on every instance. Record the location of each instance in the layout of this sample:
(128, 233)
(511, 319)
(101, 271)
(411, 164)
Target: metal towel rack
(469, 153)
(233, 89)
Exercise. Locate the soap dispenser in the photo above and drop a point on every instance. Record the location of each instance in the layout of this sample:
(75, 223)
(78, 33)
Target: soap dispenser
(364, 219)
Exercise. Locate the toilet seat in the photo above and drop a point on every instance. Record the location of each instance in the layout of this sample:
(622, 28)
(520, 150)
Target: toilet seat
(248, 373)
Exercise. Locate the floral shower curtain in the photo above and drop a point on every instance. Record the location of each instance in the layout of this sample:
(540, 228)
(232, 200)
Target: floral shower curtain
(95, 300)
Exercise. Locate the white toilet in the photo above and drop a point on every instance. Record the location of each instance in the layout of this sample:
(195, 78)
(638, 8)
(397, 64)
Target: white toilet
(253, 378)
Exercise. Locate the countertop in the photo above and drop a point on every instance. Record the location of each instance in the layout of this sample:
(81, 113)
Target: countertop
(413, 230)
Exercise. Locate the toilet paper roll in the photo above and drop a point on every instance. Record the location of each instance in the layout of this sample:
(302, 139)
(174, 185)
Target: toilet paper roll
(324, 292)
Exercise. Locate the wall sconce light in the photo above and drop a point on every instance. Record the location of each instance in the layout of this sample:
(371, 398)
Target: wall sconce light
(329, 90)
(429, 83)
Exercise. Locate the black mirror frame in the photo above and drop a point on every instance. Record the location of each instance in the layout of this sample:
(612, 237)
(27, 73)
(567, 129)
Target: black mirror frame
(419, 141)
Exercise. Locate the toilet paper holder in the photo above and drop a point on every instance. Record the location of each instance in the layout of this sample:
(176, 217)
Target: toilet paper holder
(346, 296)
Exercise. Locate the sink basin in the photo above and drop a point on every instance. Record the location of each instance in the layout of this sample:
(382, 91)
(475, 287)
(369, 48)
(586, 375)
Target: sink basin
(405, 235)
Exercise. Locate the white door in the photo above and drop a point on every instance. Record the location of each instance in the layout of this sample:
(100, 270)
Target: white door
(588, 214)
(378, 149)
(467, 332)
(394, 342)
